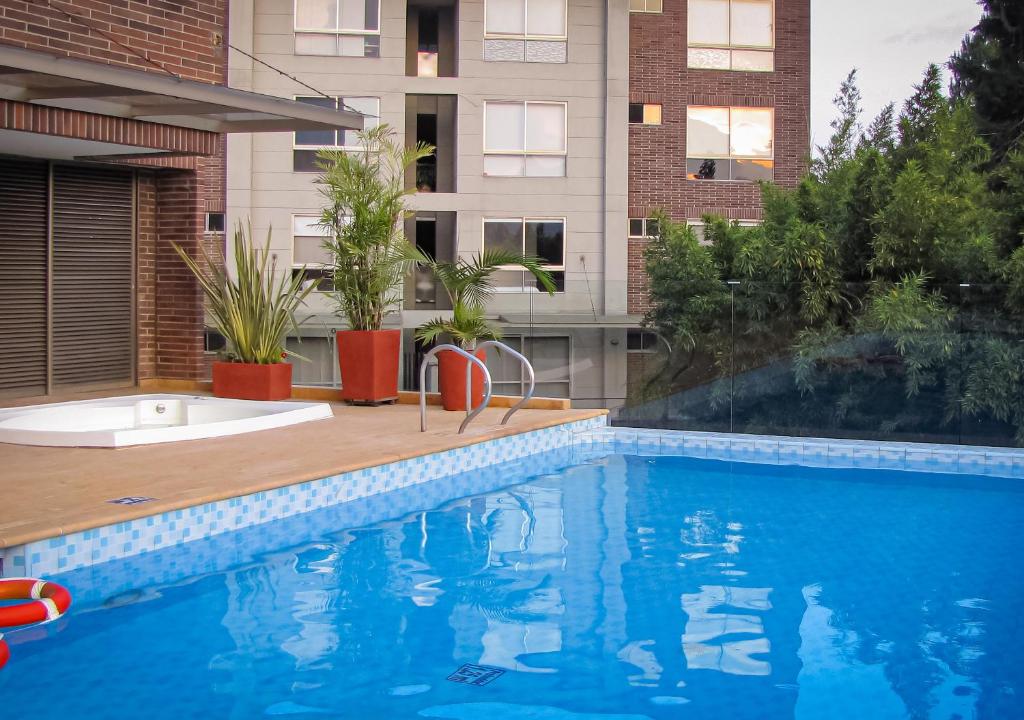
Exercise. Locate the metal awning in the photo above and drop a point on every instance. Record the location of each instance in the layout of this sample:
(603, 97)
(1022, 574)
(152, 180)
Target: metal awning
(569, 321)
(43, 79)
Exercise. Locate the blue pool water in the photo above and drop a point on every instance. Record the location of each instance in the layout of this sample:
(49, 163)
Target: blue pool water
(621, 589)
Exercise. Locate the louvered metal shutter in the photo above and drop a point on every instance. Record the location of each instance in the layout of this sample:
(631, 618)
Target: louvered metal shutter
(92, 276)
(23, 273)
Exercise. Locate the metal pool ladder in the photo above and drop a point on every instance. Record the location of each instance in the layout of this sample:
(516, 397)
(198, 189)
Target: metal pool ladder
(472, 412)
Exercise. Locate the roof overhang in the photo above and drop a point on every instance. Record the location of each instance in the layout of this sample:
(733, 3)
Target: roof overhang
(43, 79)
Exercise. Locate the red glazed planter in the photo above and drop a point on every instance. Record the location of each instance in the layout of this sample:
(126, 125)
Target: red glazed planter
(252, 381)
(369, 365)
(451, 373)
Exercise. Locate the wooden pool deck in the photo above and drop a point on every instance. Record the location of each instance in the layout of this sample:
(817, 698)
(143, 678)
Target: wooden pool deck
(50, 491)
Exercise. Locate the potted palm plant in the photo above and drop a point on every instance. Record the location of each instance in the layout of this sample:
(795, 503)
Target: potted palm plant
(469, 287)
(253, 310)
(365, 193)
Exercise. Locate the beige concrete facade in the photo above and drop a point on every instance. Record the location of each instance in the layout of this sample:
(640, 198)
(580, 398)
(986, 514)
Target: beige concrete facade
(593, 83)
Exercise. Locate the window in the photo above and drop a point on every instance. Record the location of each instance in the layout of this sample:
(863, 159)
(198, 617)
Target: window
(729, 143)
(645, 6)
(639, 341)
(542, 237)
(524, 139)
(551, 357)
(215, 222)
(644, 114)
(309, 257)
(337, 27)
(538, 19)
(698, 228)
(731, 35)
(213, 341)
(307, 142)
(643, 227)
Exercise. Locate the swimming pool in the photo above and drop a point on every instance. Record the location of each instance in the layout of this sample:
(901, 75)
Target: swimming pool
(618, 588)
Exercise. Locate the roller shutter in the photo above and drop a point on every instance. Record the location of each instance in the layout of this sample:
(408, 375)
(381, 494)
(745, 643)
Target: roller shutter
(23, 274)
(93, 210)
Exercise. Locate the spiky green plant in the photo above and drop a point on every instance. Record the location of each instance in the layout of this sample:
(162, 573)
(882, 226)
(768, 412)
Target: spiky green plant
(254, 308)
(365, 193)
(469, 287)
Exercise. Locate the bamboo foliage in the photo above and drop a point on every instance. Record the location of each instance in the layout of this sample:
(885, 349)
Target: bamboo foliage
(469, 286)
(365, 194)
(253, 309)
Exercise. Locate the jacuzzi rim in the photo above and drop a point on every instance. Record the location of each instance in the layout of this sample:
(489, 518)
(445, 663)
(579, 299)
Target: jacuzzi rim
(297, 412)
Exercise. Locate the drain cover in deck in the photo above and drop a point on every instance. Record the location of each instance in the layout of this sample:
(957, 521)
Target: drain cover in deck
(478, 675)
(130, 500)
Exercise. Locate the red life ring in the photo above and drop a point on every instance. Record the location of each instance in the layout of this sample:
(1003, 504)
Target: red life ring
(46, 601)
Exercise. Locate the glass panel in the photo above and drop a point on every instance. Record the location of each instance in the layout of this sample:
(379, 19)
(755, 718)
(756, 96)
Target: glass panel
(752, 131)
(504, 165)
(708, 22)
(708, 59)
(652, 228)
(753, 60)
(426, 64)
(315, 44)
(545, 127)
(545, 166)
(707, 132)
(308, 225)
(370, 107)
(707, 169)
(504, 126)
(504, 235)
(506, 17)
(353, 15)
(636, 227)
(753, 170)
(549, 357)
(309, 250)
(652, 115)
(546, 240)
(304, 161)
(352, 46)
(372, 11)
(752, 23)
(316, 14)
(318, 369)
(654, 6)
(636, 113)
(545, 17)
(505, 369)
(371, 46)
(508, 281)
(316, 137)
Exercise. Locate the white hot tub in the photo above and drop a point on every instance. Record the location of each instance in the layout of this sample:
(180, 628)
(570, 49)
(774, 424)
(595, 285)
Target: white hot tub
(147, 419)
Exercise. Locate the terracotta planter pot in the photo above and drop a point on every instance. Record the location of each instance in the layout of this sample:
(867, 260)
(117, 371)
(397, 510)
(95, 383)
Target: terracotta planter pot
(369, 365)
(451, 376)
(252, 381)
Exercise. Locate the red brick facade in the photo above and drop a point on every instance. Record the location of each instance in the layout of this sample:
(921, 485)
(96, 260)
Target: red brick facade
(657, 154)
(186, 38)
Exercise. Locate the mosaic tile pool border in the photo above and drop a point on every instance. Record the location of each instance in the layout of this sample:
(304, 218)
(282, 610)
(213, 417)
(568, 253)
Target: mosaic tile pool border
(169, 529)
(808, 452)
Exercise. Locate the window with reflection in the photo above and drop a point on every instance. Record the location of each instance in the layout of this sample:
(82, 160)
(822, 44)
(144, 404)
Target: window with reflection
(525, 139)
(536, 19)
(306, 143)
(731, 35)
(725, 143)
(539, 237)
(310, 258)
(337, 27)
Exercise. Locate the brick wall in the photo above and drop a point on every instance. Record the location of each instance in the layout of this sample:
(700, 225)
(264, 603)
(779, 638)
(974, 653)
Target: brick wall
(177, 328)
(186, 37)
(180, 35)
(657, 154)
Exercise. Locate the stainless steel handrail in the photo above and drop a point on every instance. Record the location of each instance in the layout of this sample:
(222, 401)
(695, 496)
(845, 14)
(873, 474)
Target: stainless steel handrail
(526, 364)
(470, 413)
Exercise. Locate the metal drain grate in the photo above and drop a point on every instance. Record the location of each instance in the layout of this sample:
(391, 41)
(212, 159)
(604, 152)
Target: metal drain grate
(478, 675)
(130, 500)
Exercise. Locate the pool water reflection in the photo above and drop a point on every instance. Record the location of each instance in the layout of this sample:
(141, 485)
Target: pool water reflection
(627, 588)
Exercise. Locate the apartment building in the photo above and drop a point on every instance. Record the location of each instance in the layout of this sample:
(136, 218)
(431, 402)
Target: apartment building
(560, 125)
